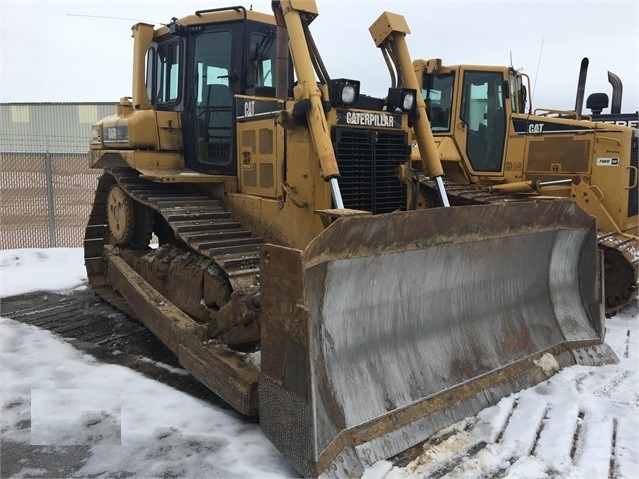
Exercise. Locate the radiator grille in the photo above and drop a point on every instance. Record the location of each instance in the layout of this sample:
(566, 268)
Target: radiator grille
(368, 160)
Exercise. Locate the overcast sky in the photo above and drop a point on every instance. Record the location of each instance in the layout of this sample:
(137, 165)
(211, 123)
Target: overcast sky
(55, 51)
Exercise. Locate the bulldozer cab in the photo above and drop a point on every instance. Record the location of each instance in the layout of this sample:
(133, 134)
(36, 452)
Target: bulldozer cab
(479, 127)
(487, 134)
(493, 145)
(197, 70)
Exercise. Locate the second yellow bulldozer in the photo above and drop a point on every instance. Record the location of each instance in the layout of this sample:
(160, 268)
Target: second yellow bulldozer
(293, 274)
(495, 148)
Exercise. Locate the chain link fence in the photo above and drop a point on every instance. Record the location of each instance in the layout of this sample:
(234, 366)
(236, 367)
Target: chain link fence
(45, 199)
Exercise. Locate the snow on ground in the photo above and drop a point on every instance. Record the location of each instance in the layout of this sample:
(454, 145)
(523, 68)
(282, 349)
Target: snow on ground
(27, 270)
(136, 427)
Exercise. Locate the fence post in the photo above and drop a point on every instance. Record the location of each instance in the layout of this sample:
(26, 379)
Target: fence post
(49, 176)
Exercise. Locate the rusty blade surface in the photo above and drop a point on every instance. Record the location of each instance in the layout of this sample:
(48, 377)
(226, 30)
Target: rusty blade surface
(388, 328)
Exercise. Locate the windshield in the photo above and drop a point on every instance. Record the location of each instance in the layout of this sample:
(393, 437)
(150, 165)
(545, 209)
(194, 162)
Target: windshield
(438, 95)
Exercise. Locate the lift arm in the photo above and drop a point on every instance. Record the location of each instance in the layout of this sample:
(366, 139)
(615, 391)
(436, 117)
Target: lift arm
(293, 13)
(389, 32)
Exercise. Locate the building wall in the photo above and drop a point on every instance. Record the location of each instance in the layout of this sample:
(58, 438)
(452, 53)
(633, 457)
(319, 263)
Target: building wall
(49, 127)
(46, 185)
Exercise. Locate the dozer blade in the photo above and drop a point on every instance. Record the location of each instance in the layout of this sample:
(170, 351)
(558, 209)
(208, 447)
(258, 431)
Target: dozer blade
(388, 328)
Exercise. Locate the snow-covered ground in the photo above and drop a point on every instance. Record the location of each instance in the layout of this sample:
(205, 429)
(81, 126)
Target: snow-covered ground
(582, 423)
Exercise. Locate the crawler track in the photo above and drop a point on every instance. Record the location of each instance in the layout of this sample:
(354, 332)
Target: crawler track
(195, 226)
(198, 221)
(621, 253)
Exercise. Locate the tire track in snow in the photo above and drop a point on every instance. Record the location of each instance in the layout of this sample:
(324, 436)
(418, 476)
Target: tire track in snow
(94, 326)
(536, 427)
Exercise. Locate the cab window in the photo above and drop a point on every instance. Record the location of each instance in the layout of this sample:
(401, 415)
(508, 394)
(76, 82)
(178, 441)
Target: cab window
(214, 106)
(517, 93)
(168, 72)
(151, 56)
(483, 113)
(261, 64)
(438, 96)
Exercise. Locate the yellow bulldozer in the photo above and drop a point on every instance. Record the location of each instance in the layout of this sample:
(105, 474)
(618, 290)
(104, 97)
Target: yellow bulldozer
(495, 148)
(254, 213)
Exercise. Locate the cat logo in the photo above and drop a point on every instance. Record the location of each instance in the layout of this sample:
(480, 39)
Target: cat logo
(535, 128)
(607, 161)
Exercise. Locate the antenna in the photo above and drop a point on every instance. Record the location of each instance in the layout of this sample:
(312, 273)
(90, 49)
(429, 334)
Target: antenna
(537, 72)
(114, 18)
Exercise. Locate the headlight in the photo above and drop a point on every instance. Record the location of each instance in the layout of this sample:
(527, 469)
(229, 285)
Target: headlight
(409, 101)
(402, 100)
(96, 135)
(343, 92)
(116, 134)
(348, 94)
